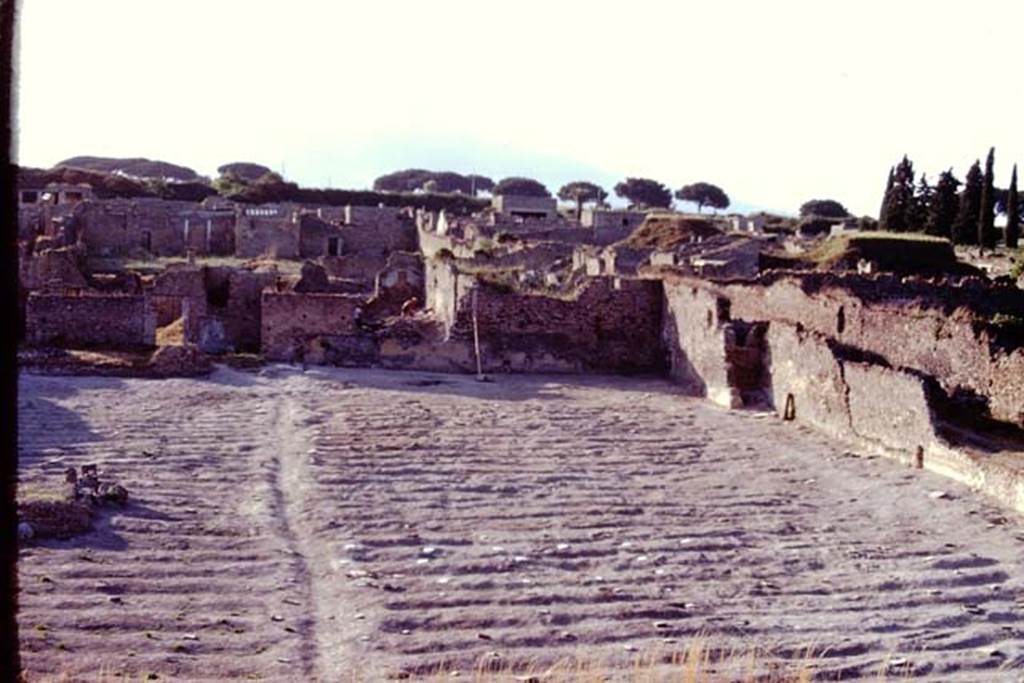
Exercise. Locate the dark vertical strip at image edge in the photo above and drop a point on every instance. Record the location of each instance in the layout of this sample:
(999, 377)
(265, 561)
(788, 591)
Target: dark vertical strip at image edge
(10, 668)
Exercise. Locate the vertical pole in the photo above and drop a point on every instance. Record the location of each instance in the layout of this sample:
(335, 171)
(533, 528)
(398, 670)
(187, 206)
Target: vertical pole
(476, 341)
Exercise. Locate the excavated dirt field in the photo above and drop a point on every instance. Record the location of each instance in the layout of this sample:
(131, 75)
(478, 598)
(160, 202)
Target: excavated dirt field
(326, 524)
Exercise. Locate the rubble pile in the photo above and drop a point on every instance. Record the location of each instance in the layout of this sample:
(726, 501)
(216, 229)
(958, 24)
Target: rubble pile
(71, 514)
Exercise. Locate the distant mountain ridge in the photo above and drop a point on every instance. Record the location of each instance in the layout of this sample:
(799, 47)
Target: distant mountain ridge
(137, 167)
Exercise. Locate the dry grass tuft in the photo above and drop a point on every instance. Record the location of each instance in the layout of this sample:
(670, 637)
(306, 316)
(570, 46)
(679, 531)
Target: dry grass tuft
(171, 335)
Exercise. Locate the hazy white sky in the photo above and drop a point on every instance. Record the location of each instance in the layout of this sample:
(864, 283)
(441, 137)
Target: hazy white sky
(776, 101)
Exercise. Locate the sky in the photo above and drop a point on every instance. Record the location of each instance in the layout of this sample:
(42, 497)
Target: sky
(776, 102)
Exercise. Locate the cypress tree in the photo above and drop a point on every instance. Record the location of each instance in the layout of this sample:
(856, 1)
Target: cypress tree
(917, 215)
(986, 217)
(942, 209)
(899, 205)
(1012, 212)
(883, 210)
(965, 228)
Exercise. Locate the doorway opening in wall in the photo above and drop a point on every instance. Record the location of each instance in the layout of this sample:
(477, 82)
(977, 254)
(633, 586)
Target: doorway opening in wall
(147, 241)
(218, 292)
(334, 246)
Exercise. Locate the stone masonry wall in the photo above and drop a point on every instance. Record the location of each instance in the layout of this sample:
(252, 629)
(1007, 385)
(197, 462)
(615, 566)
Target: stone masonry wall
(848, 399)
(275, 236)
(932, 331)
(77, 321)
(609, 327)
(710, 354)
(695, 338)
(293, 321)
(442, 290)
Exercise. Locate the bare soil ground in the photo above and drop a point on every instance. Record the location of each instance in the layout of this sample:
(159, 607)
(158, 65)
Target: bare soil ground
(317, 525)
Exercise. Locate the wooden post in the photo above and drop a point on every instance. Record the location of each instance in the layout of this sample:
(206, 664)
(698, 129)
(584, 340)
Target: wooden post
(476, 342)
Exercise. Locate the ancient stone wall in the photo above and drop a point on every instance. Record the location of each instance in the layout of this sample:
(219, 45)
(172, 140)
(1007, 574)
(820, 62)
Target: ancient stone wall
(116, 227)
(852, 362)
(932, 330)
(106, 230)
(811, 382)
(695, 339)
(805, 379)
(297, 326)
(232, 309)
(711, 354)
(400, 281)
(443, 290)
(431, 243)
(30, 221)
(272, 235)
(52, 268)
(384, 229)
(314, 236)
(159, 230)
(362, 266)
(179, 292)
(610, 326)
(88, 320)
(208, 232)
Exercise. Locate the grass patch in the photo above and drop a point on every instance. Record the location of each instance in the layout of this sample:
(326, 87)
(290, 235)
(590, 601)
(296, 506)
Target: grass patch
(36, 493)
(903, 253)
(157, 264)
(1017, 269)
(667, 231)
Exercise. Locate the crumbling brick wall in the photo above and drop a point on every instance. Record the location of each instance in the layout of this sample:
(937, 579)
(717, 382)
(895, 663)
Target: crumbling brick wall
(314, 236)
(179, 292)
(443, 290)
(89, 320)
(159, 226)
(292, 322)
(30, 221)
(238, 318)
(936, 332)
(932, 329)
(274, 234)
(107, 229)
(711, 354)
(208, 232)
(610, 326)
(52, 268)
(400, 281)
(362, 266)
(386, 228)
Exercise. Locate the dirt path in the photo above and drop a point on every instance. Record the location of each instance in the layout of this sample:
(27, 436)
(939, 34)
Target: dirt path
(197, 578)
(312, 525)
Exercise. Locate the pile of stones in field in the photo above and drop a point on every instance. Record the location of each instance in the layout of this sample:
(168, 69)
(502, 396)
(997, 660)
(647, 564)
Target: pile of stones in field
(72, 514)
